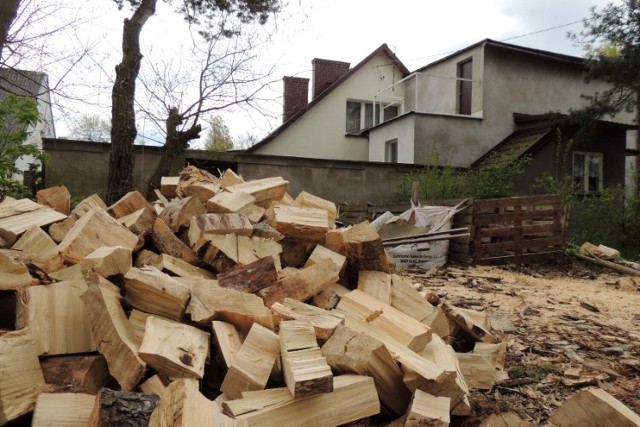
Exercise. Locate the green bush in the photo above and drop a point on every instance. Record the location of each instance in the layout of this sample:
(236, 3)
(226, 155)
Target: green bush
(436, 182)
(496, 177)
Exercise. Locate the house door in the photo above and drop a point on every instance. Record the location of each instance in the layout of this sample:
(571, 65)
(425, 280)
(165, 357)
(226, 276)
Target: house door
(464, 87)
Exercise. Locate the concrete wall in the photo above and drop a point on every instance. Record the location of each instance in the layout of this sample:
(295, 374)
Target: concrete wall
(320, 132)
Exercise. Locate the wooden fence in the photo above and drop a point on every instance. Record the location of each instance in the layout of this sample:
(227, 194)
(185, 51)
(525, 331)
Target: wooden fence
(518, 229)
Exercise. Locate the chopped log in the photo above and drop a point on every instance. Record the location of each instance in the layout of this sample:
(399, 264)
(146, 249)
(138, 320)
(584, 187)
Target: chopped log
(17, 216)
(266, 231)
(168, 186)
(252, 401)
(122, 408)
(377, 284)
(150, 290)
(157, 385)
(303, 285)
(472, 328)
(114, 336)
(265, 190)
(58, 230)
(174, 349)
(238, 308)
(21, 381)
(252, 365)
(92, 231)
(388, 320)
(295, 252)
(57, 198)
(220, 252)
(323, 322)
(600, 251)
(428, 410)
(75, 374)
(477, 317)
(13, 274)
(229, 178)
(202, 191)
(594, 407)
(255, 248)
(364, 251)
(351, 352)
(167, 242)
(305, 369)
(612, 265)
(321, 253)
(138, 322)
(36, 242)
(227, 339)
(497, 353)
(305, 224)
(178, 213)
(182, 268)
(108, 261)
(326, 300)
(251, 277)
(478, 370)
(140, 221)
(182, 405)
(88, 204)
(73, 272)
(354, 397)
(308, 200)
(145, 257)
(207, 224)
(228, 202)
(63, 409)
(505, 419)
(335, 240)
(129, 203)
(58, 319)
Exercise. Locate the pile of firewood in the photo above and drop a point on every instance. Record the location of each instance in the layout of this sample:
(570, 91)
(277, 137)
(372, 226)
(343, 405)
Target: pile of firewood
(227, 290)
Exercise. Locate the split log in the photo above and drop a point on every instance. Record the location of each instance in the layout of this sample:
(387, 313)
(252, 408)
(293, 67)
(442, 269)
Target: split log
(364, 251)
(140, 221)
(354, 397)
(376, 284)
(75, 374)
(13, 274)
(255, 248)
(505, 419)
(146, 257)
(92, 202)
(169, 243)
(251, 277)
(150, 290)
(390, 321)
(73, 272)
(227, 339)
(174, 349)
(36, 242)
(202, 191)
(157, 385)
(308, 200)
(58, 319)
(63, 409)
(228, 202)
(207, 224)
(178, 213)
(94, 230)
(303, 285)
(182, 268)
(305, 369)
(266, 231)
(58, 230)
(108, 261)
(351, 352)
(21, 381)
(321, 253)
(168, 186)
(265, 191)
(305, 224)
(295, 252)
(252, 365)
(327, 299)
(253, 401)
(57, 198)
(428, 410)
(113, 335)
(478, 370)
(17, 216)
(229, 178)
(238, 308)
(612, 265)
(220, 252)
(468, 325)
(594, 407)
(323, 322)
(119, 408)
(129, 203)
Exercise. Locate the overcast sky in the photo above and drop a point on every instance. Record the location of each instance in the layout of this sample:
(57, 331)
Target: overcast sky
(419, 31)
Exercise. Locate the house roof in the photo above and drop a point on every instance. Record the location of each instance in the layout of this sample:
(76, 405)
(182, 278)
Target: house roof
(382, 49)
(519, 143)
(575, 60)
(22, 82)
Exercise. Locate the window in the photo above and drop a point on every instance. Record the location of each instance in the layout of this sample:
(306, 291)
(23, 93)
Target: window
(391, 151)
(360, 115)
(465, 75)
(587, 172)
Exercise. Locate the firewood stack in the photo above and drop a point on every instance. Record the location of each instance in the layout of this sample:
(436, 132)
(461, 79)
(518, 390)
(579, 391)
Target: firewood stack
(226, 290)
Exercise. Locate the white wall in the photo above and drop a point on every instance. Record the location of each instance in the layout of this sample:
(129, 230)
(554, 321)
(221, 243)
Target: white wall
(402, 128)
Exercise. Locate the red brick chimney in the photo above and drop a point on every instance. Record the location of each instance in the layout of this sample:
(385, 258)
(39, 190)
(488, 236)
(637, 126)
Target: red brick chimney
(296, 96)
(325, 73)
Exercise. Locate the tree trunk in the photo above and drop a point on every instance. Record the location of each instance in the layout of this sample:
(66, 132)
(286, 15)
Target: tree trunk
(175, 145)
(123, 121)
(637, 171)
(8, 12)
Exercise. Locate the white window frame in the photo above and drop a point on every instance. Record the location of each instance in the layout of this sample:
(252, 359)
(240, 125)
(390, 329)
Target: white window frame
(363, 115)
(585, 172)
(391, 151)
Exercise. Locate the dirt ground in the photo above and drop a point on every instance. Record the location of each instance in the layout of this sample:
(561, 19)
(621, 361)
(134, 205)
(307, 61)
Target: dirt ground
(567, 325)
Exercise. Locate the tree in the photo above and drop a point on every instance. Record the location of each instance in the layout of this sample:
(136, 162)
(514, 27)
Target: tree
(8, 13)
(91, 128)
(123, 130)
(17, 114)
(218, 137)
